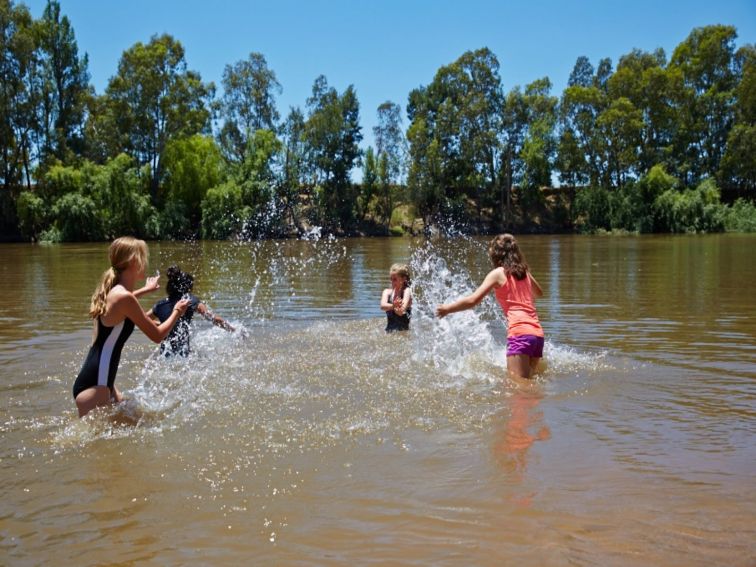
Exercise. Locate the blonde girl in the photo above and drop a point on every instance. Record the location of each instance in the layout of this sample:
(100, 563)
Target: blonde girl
(396, 301)
(115, 310)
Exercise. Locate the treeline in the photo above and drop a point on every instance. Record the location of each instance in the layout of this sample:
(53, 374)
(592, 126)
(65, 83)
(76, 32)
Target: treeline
(653, 145)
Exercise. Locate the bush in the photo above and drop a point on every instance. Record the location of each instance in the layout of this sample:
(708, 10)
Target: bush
(222, 212)
(32, 214)
(174, 221)
(740, 217)
(77, 218)
(592, 209)
(692, 210)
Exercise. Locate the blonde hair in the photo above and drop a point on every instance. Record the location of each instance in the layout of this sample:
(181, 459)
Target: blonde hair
(505, 253)
(122, 251)
(402, 270)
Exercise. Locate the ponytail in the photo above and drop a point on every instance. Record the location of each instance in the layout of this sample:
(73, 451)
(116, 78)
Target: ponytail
(99, 298)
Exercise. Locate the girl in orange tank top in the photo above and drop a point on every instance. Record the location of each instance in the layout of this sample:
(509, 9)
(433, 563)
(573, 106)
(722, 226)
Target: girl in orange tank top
(515, 289)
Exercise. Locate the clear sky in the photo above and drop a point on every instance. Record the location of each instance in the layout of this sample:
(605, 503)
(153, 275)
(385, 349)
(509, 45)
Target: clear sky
(387, 48)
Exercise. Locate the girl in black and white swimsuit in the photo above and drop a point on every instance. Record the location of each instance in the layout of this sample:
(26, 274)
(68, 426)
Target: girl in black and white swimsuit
(116, 311)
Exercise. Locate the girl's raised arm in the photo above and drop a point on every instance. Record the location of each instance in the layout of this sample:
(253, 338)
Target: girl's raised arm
(129, 306)
(495, 278)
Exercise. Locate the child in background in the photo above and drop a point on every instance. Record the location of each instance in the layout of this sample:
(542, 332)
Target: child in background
(396, 301)
(515, 289)
(180, 285)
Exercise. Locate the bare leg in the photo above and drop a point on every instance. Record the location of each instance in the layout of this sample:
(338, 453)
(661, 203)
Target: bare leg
(92, 398)
(519, 365)
(534, 362)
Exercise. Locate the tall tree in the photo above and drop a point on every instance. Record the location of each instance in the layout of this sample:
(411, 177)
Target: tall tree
(457, 116)
(248, 104)
(18, 94)
(66, 85)
(540, 144)
(390, 140)
(153, 99)
(706, 60)
(333, 134)
(738, 167)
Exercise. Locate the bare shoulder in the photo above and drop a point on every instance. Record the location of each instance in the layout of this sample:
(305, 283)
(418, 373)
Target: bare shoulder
(497, 277)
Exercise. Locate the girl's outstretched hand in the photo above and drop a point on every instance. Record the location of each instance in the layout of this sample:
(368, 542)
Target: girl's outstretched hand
(152, 283)
(442, 311)
(181, 306)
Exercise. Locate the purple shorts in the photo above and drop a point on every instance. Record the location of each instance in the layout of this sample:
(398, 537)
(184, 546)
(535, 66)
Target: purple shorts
(529, 345)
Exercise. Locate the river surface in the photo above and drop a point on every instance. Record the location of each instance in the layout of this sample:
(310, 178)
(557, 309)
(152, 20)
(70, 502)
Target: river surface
(311, 437)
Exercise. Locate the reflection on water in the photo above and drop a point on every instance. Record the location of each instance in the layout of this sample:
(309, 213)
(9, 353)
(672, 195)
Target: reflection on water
(315, 437)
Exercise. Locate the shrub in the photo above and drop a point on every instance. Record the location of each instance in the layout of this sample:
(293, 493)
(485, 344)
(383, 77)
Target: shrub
(77, 218)
(222, 212)
(692, 210)
(32, 214)
(740, 217)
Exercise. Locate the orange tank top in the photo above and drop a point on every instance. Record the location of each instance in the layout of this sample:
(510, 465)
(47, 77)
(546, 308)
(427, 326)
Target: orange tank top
(517, 302)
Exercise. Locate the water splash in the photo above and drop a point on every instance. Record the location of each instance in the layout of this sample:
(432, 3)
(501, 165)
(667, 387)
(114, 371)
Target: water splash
(464, 343)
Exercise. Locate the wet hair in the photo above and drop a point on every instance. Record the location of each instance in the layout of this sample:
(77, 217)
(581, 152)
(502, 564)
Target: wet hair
(402, 270)
(505, 253)
(179, 282)
(122, 252)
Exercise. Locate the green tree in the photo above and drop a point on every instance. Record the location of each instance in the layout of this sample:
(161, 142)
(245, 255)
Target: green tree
(707, 64)
(192, 166)
(738, 167)
(18, 94)
(65, 85)
(369, 184)
(390, 139)
(248, 104)
(292, 186)
(333, 134)
(539, 145)
(457, 116)
(153, 99)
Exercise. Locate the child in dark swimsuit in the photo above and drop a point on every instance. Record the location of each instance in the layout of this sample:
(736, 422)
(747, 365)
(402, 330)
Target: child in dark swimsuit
(180, 284)
(116, 311)
(396, 301)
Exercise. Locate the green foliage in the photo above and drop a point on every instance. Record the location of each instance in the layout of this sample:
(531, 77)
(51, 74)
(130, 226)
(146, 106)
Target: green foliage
(192, 166)
(691, 210)
(592, 209)
(741, 217)
(77, 218)
(248, 104)
(332, 134)
(369, 183)
(222, 212)
(32, 214)
(152, 99)
(173, 221)
(60, 180)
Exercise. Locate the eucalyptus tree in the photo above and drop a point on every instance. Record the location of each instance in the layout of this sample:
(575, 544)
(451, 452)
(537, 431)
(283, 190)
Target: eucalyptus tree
(738, 167)
(582, 148)
(153, 99)
(248, 103)
(65, 85)
(293, 183)
(18, 94)
(706, 107)
(455, 124)
(391, 156)
(643, 79)
(539, 145)
(332, 133)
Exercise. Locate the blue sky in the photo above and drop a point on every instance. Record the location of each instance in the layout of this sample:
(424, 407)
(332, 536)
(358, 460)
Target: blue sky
(387, 48)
